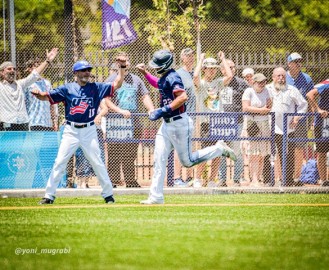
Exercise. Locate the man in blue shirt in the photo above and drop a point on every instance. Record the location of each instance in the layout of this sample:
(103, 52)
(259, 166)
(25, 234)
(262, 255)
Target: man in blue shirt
(303, 82)
(321, 127)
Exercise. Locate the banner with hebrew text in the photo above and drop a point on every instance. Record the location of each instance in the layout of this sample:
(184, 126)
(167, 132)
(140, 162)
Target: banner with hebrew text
(117, 29)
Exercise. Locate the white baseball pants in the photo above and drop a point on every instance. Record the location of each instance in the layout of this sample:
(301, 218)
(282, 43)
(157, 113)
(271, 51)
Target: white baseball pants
(86, 138)
(176, 135)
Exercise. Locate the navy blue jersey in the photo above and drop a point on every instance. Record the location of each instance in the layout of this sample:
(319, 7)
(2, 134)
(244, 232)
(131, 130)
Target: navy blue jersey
(81, 102)
(169, 84)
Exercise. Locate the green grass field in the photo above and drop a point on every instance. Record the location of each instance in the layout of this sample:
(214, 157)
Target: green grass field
(241, 231)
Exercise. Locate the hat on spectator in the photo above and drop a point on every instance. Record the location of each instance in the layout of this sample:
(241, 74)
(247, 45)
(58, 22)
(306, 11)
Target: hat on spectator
(259, 77)
(186, 51)
(79, 65)
(6, 64)
(210, 63)
(247, 71)
(293, 57)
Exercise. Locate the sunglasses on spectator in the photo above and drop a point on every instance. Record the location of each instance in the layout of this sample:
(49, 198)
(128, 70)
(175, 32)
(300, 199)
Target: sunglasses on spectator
(86, 69)
(298, 61)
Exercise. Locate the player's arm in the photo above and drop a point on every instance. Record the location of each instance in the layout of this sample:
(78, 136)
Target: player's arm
(114, 108)
(40, 95)
(180, 99)
(103, 111)
(122, 64)
(148, 104)
(312, 97)
(148, 76)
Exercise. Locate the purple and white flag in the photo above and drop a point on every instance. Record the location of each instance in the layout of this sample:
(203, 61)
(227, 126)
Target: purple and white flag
(116, 26)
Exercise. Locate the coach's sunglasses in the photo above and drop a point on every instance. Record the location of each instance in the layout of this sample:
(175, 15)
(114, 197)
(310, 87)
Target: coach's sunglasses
(86, 69)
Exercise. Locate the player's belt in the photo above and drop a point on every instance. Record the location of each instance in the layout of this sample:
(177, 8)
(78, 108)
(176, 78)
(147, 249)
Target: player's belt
(172, 119)
(78, 125)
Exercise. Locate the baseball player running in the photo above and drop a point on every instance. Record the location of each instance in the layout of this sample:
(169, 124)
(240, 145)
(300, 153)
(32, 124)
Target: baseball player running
(177, 128)
(81, 100)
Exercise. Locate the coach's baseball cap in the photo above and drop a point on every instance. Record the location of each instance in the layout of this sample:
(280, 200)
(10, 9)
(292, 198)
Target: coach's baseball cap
(247, 71)
(210, 63)
(259, 77)
(6, 64)
(293, 57)
(81, 65)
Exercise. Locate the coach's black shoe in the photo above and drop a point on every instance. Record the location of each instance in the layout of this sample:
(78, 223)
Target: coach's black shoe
(298, 183)
(46, 201)
(109, 199)
(133, 184)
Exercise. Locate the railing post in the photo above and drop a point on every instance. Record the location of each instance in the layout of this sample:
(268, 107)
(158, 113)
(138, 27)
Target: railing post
(284, 149)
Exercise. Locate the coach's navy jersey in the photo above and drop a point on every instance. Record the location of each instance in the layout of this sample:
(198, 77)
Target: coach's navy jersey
(81, 102)
(169, 84)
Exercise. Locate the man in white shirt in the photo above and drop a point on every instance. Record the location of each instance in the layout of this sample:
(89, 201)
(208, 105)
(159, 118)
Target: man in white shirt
(286, 98)
(13, 113)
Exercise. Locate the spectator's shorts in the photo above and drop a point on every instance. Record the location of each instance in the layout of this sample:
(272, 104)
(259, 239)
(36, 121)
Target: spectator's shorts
(300, 132)
(321, 147)
(205, 134)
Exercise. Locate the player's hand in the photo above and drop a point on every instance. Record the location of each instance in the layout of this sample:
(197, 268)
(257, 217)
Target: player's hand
(160, 112)
(141, 68)
(323, 113)
(52, 54)
(221, 55)
(121, 61)
(35, 92)
(98, 119)
(125, 113)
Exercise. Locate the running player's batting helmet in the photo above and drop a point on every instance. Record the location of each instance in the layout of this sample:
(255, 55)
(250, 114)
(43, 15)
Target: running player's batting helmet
(81, 65)
(162, 61)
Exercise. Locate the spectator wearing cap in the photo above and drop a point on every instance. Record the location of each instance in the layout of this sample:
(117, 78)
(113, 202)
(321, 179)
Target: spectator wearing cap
(231, 96)
(256, 100)
(247, 74)
(128, 99)
(42, 115)
(13, 113)
(187, 57)
(286, 99)
(303, 82)
(208, 89)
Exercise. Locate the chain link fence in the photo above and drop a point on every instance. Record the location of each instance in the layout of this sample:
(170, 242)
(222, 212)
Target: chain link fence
(127, 143)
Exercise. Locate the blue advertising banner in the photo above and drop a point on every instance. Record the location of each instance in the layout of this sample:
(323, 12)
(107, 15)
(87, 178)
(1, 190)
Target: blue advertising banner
(119, 129)
(117, 29)
(225, 126)
(26, 158)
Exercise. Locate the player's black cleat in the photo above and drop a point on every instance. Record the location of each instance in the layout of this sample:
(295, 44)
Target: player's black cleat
(109, 199)
(46, 201)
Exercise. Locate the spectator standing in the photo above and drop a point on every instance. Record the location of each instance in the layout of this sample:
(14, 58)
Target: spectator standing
(42, 115)
(303, 82)
(13, 113)
(208, 100)
(257, 101)
(125, 101)
(231, 96)
(286, 98)
(247, 75)
(321, 127)
(187, 57)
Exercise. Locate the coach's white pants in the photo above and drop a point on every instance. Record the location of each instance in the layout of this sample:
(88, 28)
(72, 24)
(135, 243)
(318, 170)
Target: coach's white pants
(86, 138)
(176, 135)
